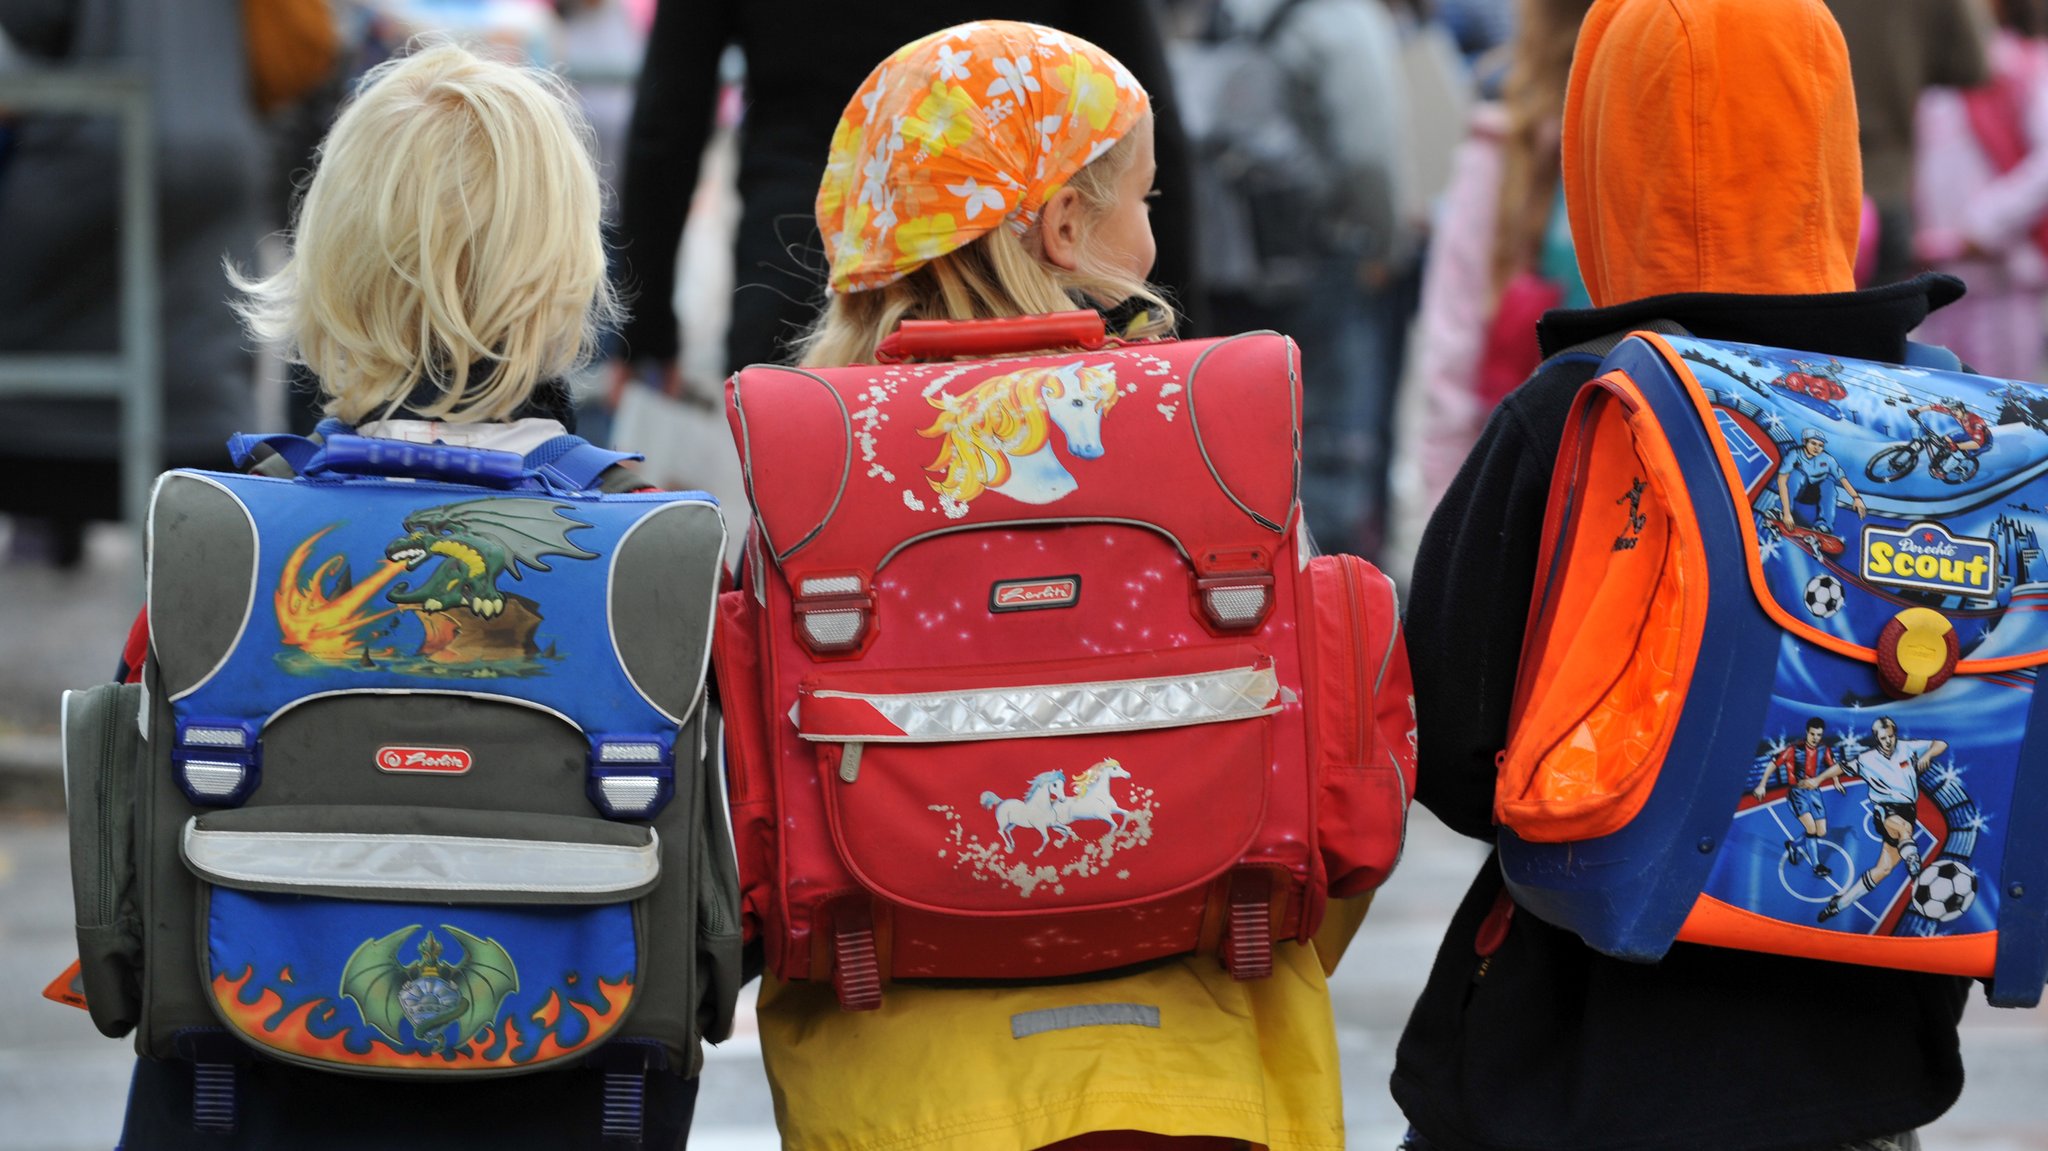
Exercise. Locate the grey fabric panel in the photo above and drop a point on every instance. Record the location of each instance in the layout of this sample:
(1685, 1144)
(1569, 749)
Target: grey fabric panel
(718, 898)
(668, 1003)
(664, 584)
(385, 820)
(324, 751)
(1028, 1023)
(201, 572)
(100, 740)
(174, 993)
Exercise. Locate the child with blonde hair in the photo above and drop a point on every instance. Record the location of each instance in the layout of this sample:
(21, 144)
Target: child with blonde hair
(991, 170)
(446, 271)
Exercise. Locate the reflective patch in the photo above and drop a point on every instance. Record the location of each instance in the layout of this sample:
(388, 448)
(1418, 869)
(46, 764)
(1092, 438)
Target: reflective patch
(1028, 1023)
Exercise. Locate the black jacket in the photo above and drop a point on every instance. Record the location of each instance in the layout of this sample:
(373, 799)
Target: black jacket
(1545, 1043)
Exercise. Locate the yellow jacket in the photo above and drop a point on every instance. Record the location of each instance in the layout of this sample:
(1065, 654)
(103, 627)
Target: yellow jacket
(1185, 1050)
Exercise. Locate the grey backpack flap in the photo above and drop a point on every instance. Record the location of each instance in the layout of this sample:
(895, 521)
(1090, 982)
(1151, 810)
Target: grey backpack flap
(425, 784)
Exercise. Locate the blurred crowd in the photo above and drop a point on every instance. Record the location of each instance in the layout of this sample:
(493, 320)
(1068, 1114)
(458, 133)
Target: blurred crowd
(1377, 178)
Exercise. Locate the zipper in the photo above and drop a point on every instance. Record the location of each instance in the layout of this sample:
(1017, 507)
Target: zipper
(109, 729)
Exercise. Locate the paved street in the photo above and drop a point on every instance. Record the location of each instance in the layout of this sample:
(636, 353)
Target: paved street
(61, 1084)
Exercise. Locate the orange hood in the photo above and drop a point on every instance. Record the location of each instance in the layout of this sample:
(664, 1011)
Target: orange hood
(1710, 146)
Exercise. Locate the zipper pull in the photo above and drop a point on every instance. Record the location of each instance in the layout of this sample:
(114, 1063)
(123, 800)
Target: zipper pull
(849, 761)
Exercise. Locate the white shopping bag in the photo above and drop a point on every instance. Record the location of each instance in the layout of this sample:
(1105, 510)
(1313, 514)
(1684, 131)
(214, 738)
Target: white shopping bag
(688, 447)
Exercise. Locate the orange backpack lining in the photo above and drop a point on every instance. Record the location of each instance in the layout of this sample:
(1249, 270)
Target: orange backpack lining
(1722, 924)
(1600, 708)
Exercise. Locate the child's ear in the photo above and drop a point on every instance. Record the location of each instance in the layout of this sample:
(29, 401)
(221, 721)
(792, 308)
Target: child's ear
(1059, 229)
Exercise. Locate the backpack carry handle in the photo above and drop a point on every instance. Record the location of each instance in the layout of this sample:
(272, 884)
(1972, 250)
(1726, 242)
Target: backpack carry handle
(367, 456)
(933, 339)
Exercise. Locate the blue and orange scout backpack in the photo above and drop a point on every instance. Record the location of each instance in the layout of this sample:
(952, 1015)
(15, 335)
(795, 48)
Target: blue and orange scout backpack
(1778, 688)
(414, 783)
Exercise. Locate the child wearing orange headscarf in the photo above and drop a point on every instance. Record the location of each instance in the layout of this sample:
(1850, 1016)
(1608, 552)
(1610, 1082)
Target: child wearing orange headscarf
(1001, 169)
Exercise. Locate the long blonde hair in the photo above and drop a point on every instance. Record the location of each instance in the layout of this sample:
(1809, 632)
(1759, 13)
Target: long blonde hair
(1539, 67)
(994, 276)
(451, 234)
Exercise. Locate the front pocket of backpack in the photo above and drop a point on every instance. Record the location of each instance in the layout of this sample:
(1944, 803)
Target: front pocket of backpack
(1094, 786)
(421, 942)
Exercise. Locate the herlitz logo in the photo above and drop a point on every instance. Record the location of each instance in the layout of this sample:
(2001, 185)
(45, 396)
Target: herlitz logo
(1033, 594)
(1927, 556)
(424, 760)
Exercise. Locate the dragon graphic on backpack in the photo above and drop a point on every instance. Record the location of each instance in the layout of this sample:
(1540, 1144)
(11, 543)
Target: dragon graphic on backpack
(414, 781)
(1029, 674)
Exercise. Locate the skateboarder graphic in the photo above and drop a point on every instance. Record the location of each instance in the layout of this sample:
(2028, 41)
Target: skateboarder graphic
(1812, 476)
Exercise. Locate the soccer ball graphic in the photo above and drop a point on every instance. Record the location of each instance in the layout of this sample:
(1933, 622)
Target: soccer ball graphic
(1823, 596)
(1946, 888)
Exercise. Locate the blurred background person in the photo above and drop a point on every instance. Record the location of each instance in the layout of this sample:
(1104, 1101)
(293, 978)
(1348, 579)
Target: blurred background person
(801, 58)
(1500, 256)
(1981, 198)
(1295, 115)
(1897, 49)
(59, 269)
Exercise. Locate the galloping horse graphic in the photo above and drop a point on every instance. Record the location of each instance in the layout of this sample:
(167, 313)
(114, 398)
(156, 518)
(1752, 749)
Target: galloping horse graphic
(1092, 798)
(998, 436)
(1035, 810)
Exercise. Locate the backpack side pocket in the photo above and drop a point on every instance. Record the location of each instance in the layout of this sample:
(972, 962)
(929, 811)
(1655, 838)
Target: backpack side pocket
(100, 741)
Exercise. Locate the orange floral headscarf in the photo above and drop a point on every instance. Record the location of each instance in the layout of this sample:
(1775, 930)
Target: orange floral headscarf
(960, 132)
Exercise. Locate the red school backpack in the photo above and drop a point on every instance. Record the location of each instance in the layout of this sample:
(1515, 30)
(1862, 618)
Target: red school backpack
(1031, 673)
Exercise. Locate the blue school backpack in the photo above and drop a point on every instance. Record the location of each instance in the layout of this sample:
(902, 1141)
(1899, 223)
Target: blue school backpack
(1778, 686)
(418, 781)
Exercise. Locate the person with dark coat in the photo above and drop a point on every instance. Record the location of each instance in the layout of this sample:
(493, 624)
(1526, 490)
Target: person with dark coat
(803, 57)
(1524, 1037)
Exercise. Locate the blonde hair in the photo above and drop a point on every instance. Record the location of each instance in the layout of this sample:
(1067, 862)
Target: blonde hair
(994, 276)
(1532, 162)
(451, 234)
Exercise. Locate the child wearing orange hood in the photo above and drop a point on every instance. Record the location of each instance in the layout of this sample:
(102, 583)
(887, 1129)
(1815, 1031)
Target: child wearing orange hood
(1713, 181)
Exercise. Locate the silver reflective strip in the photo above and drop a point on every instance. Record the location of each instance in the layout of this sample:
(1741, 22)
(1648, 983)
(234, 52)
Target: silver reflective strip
(1117, 705)
(436, 863)
(1029, 1023)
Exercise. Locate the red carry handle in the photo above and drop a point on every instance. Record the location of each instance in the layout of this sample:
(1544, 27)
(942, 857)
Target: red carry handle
(936, 339)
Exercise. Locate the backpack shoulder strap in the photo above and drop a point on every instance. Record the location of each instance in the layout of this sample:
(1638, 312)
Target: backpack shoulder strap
(1601, 347)
(1932, 356)
(574, 462)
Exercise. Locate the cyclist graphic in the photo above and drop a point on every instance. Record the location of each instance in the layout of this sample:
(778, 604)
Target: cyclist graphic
(1972, 433)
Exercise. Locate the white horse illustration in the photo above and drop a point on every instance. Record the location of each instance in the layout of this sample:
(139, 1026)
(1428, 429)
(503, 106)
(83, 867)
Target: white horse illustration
(1092, 798)
(1047, 790)
(998, 436)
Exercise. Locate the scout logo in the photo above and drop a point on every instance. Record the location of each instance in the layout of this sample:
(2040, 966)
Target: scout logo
(425, 760)
(1926, 556)
(1031, 595)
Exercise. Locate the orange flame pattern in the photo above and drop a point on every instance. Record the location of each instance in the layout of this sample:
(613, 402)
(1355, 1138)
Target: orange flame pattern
(323, 626)
(295, 1033)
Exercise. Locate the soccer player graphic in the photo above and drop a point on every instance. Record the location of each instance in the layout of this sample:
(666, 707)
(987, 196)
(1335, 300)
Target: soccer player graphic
(1811, 476)
(1808, 766)
(1892, 772)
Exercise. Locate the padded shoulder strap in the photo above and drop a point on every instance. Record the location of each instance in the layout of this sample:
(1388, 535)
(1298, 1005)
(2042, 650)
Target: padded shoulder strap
(1933, 356)
(576, 463)
(1600, 348)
